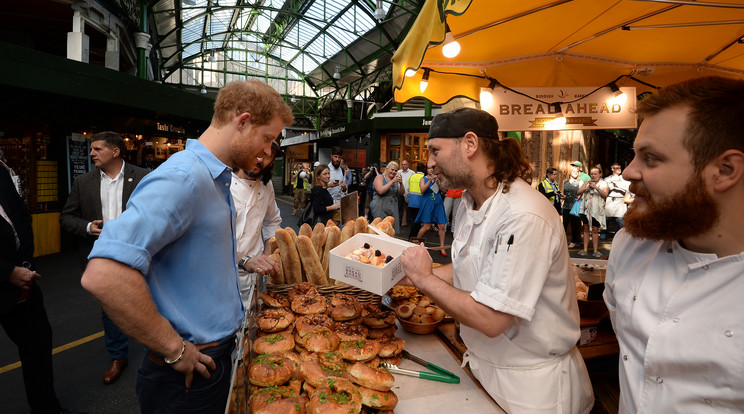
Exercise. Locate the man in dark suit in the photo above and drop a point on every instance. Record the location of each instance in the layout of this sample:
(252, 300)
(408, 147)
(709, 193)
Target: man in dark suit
(97, 197)
(22, 312)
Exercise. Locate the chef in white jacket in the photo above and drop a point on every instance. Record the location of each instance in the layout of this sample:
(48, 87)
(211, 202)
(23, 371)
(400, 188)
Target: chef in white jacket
(257, 218)
(510, 283)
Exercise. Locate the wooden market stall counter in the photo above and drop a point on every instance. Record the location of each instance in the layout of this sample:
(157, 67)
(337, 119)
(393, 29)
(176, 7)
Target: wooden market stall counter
(416, 395)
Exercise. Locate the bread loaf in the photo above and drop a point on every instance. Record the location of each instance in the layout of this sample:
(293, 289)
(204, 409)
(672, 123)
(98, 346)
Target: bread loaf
(348, 231)
(319, 238)
(279, 278)
(306, 230)
(333, 239)
(290, 258)
(310, 261)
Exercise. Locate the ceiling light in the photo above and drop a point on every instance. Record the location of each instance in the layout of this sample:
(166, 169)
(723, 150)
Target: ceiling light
(203, 90)
(379, 11)
(486, 95)
(410, 72)
(337, 73)
(451, 48)
(615, 89)
(189, 2)
(424, 80)
(560, 120)
(349, 103)
(212, 58)
(294, 99)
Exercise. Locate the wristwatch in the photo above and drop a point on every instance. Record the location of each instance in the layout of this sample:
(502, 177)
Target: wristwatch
(243, 260)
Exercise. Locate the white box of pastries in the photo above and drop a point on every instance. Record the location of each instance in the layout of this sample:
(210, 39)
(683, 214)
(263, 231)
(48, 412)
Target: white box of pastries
(367, 276)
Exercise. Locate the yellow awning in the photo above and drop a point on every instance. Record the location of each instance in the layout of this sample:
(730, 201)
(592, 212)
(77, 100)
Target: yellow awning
(565, 43)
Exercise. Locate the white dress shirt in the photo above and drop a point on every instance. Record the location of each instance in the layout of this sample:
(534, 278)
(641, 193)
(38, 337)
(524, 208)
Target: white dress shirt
(257, 218)
(678, 319)
(111, 195)
(614, 204)
(534, 366)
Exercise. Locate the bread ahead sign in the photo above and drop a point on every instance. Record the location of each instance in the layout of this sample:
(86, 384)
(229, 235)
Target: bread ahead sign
(581, 109)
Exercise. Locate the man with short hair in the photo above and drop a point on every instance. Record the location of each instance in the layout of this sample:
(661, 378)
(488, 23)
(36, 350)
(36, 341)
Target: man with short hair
(549, 188)
(675, 279)
(166, 271)
(337, 185)
(415, 198)
(405, 174)
(255, 202)
(96, 198)
(510, 282)
(582, 175)
(615, 207)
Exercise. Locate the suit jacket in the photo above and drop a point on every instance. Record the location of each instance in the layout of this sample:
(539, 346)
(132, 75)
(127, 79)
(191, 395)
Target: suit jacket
(11, 255)
(84, 203)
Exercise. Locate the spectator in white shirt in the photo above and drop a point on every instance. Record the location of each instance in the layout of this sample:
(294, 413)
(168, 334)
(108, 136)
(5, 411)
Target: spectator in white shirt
(337, 185)
(675, 278)
(405, 174)
(96, 198)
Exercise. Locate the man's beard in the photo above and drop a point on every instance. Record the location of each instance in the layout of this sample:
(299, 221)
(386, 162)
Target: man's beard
(687, 213)
(459, 177)
(335, 163)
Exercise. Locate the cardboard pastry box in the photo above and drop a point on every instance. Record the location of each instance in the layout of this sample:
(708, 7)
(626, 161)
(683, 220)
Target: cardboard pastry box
(371, 278)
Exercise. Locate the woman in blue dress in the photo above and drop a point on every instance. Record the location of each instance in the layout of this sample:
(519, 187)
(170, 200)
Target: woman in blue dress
(432, 208)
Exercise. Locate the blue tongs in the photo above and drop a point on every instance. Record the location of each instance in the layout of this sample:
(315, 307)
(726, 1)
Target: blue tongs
(439, 374)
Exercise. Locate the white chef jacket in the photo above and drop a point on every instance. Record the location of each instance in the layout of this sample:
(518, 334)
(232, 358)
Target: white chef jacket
(678, 319)
(534, 366)
(257, 218)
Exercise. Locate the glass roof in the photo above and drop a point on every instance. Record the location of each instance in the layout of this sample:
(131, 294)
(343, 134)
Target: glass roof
(295, 45)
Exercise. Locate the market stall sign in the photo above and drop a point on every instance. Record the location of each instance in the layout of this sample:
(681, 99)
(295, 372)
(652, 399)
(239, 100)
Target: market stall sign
(583, 108)
(298, 152)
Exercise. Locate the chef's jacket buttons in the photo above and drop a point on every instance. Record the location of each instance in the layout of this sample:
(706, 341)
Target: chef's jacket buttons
(729, 333)
(705, 267)
(625, 357)
(670, 251)
(675, 320)
(707, 401)
(659, 380)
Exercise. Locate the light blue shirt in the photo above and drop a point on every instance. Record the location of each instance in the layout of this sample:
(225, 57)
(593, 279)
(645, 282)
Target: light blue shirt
(178, 230)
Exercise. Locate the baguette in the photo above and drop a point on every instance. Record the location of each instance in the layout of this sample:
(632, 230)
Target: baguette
(272, 244)
(390, 220)
(330, 223)
(361, 225)
(333, 239)
(310, 261)
(279, 278)
(348, 231)
(319, 238)
(292, 234)
(387, 228)
(376, 221)
(290, 258)
(306, 230)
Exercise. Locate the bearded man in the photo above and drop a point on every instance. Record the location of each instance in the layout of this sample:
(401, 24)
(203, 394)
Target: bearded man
(509, 284)
(675, 278)
(166, 270)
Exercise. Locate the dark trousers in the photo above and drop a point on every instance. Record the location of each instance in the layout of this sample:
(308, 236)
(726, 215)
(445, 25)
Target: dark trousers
(28, 327)
(569, 220)
(413, 225)
(161, 389)
(117, 342)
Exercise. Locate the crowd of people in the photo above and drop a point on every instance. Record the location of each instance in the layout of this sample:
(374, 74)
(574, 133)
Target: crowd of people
(674, 274)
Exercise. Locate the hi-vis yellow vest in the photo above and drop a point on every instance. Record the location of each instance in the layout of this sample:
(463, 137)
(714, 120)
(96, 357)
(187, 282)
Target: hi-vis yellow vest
(413, 183)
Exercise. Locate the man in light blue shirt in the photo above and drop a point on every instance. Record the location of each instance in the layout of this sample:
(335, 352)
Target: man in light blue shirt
(165, 271)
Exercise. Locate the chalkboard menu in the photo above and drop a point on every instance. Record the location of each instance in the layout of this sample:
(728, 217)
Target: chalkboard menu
(78, 160)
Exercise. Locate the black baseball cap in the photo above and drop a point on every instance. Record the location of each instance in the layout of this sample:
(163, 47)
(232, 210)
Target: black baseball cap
(457, 123)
